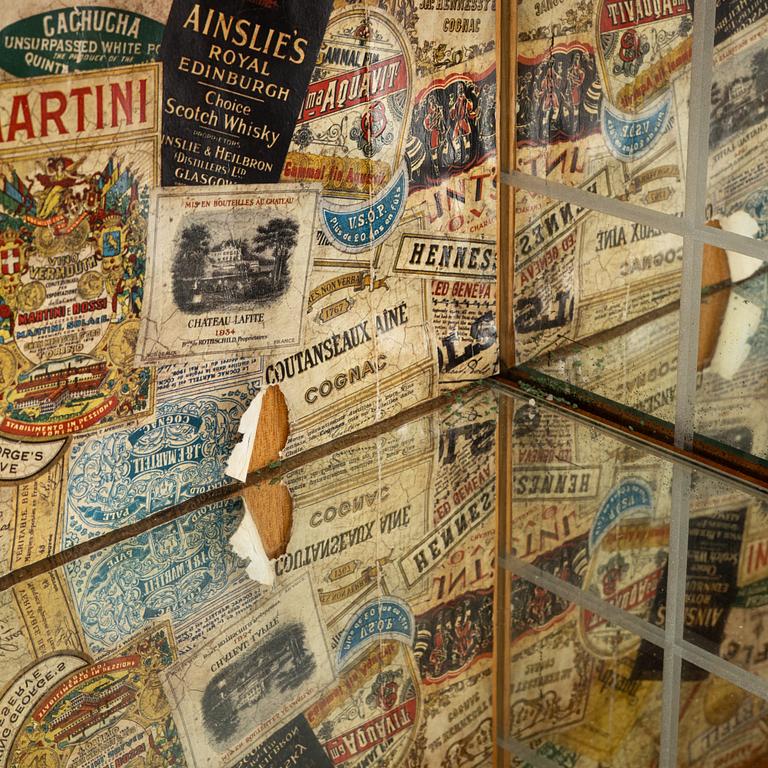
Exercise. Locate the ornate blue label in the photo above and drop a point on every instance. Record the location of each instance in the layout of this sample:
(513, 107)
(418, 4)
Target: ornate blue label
(125, 476)
(630, 496)
(170, 570)
(386, 617)
(629, 137)
(360, 227)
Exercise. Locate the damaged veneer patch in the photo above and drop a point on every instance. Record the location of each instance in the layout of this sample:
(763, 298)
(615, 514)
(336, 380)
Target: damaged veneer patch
(265, 529)
(741, 223)
(264, 427)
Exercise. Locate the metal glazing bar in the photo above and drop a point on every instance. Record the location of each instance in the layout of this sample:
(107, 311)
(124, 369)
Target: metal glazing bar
(688, 342)
(677, 568)
(684, 648)
(583, 599)
(676, 225)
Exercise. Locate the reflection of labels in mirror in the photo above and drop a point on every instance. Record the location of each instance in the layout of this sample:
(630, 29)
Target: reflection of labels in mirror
(27, 690)
(381, 618)
(625, 570)
(641, 49)
(235, 76)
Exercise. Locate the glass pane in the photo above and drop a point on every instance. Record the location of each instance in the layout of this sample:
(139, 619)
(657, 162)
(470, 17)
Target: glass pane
(731, 402)
(737, 188)
(721, 725)
(727, 589)
(595, 303)
(589, 509)
(579, 694)
(602, 92)
(719, 516)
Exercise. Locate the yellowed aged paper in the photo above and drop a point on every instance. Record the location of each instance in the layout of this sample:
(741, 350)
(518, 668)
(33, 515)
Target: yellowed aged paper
(368, 354)
(77, 162)
(262, 668)
(230, 270)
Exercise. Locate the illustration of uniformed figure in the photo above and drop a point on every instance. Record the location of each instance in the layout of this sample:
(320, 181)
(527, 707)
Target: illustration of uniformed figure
(466, 635)
(547, 94)
(91, 196)
(575, 77)
(486, 106)
(463, 115)
(434, 123)
(525, 110)
(439, 653)
(373, 121)
(540, 606)
(611, 573)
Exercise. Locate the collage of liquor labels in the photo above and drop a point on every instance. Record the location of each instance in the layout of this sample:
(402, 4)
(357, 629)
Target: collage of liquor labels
(603, 103)
(205, 202)
(589, 550)
(216, 215)
(373, 646)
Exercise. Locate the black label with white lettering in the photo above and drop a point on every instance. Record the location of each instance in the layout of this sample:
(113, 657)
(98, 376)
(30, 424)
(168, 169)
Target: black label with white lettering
(714, 544)
(295, 744)
(235, 73)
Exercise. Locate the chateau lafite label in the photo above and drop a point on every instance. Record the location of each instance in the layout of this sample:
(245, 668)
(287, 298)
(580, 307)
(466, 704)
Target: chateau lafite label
(235, 75)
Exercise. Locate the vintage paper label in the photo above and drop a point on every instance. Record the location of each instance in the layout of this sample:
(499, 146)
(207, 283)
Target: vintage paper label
(617, 704)
(552, 666)
(602, 105)
(22, 461)
(112, 710)
(627, 570)
(434, 255)
(294, 744)
(233, 82)
(52, 37)
(452, 636)
(426, 553)
(721, 726)
(236, 264)
(453, 125)
(22, 698)
(193, 376)
(36, 623)
(738, 129)
(366, 356)
(251, 678)
(641, 48)
(456, 724)
(124, 476)
(184, 564)
(351, 130)
(383, 690)
(357, 524)
(78, 166)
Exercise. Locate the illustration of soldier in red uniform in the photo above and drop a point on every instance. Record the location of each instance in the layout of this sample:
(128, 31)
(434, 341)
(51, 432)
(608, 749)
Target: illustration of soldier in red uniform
(575, 77)
(466, 636)
(434, 123)
(463, 115)
(550, 101)
(374, 121)
(439, 653)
